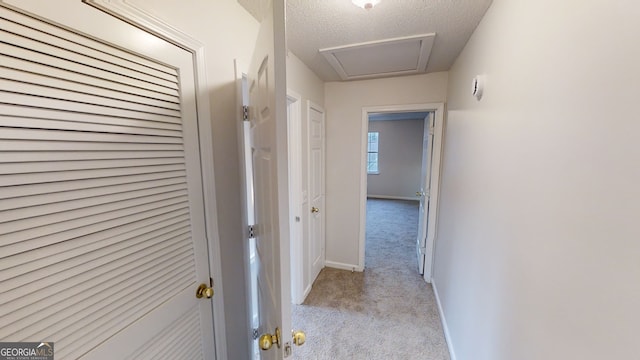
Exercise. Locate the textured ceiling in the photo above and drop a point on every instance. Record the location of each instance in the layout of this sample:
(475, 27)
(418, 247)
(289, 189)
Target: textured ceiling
(318, 24)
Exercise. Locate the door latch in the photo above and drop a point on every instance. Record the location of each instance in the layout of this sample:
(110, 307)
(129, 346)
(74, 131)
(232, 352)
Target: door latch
(287, 349)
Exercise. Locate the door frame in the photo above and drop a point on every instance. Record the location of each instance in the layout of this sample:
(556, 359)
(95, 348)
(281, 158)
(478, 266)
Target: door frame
(150, 23)
(438, 110)
(294, 129)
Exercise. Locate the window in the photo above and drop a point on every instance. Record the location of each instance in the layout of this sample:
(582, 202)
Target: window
(372, 153)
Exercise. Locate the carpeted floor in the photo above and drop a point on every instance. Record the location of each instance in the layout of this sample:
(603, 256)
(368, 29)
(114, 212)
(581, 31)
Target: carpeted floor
(386, 312)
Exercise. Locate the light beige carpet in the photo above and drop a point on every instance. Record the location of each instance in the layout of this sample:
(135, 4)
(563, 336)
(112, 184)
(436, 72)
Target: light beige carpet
(387, 312)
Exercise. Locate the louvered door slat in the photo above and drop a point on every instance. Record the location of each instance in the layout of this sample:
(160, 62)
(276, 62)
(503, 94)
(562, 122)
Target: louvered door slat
(46, 80)
(60, 272)
(184, 341)
(80, 53)
(81, 300)
(83, 185)
(193, 353)
(87, 44)
(50, 103)
(54, 197)
(31, 238)
(68, 278)
(116, 316)
(37, 56)
(173, 349)
(189, 350)
(88, 205)
(62, 301)
(97, 305)
(179, 348)
(77, 247)
(113, 207)
(60, 135)
(110, 277)
(134, 307)
(101, 303)
(76, 96)
(77, 118)
(19, 179)
(140, 227)
(52, 145)
(39, 156)
(73, 56)
(49, 166)
(163, 346)
(46, 70)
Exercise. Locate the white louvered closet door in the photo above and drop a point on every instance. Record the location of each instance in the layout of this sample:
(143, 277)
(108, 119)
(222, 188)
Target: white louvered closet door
(102, 236)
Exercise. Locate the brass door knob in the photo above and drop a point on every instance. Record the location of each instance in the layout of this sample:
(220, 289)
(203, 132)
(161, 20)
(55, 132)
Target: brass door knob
(204, 291)
(315, 210)
(299, 337)
(266, 341)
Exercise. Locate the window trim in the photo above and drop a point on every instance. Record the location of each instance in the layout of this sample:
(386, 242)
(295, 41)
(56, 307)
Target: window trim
(377, 171)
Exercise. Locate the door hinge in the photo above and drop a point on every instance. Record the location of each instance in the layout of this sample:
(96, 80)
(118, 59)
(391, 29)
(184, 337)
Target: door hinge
(252, 232)
(245, 113)
(255, 334)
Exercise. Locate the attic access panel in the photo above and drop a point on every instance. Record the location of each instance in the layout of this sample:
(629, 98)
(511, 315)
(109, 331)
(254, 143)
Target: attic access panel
(389, 57)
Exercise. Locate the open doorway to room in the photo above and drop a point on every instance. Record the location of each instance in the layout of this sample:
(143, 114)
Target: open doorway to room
(401, 150)
(398, 156)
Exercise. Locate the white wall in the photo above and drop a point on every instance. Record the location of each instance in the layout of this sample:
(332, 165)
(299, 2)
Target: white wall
(538, 246)
(309, 87)
(211, 22)
(304, 81)
(399, 159)
(344, 102)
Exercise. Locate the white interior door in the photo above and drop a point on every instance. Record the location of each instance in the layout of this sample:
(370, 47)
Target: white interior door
(268, 118)
(102, 235)
(251, 265)
(424, 193)
(316, 190)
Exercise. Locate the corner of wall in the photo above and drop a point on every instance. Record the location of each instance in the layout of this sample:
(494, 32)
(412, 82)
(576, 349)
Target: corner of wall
(443, 319)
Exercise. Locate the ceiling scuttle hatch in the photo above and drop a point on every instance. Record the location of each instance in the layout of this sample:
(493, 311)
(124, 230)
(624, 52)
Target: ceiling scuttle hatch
(390, 57)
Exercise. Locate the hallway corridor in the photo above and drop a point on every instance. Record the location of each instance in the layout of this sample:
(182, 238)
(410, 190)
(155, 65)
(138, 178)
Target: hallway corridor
(386, 312)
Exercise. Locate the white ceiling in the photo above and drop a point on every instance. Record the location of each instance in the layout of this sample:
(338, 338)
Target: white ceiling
(318, 24)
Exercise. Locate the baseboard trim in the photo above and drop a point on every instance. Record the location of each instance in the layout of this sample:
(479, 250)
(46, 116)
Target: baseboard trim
(306, 293)
(445, 328)
(341, 266)
(412, 198)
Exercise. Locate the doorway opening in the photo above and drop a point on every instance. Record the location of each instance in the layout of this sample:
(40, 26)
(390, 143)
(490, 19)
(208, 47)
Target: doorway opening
(414, 174)
(399, 149)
